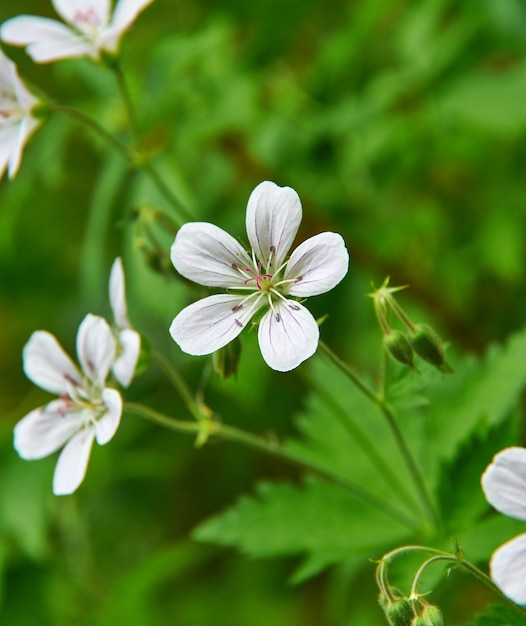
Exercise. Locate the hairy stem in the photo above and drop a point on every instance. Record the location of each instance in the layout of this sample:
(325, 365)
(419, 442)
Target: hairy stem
(210, 427)
(397, 433)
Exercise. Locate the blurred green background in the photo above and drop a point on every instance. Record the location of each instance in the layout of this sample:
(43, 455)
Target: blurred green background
(400, 124)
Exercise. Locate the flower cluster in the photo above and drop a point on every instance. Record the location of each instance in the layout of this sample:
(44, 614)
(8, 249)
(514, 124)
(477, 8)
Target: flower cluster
(90, 30)
(504, 484)
(263, 281)
(86, 408)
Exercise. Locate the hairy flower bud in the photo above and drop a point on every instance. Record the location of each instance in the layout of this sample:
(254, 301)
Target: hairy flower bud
(428, 345)
(430, 616)
(399, 347)
(399, 613)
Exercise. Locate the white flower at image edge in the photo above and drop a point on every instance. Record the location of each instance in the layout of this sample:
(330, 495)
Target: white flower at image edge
(128, 340)
(504, 484)
(16, 120)
(85, 409)
(91, 29)
(288, 334)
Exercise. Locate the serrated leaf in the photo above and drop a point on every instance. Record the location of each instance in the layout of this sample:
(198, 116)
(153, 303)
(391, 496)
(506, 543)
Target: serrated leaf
(480, 395)
(459, 493)
(500, 616)
(317, 519)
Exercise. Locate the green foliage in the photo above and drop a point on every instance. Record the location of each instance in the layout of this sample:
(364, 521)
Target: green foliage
(318, 520)
(402, 126)
(499, 616)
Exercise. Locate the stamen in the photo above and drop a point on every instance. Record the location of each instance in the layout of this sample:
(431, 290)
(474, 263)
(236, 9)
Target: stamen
(259, 277)
(294, 307)
(238, 323)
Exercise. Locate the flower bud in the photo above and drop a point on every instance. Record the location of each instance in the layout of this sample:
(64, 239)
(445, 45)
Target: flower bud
(430, 616)
(428, 345)
(399, 347)
(399, 613)
(226, 359)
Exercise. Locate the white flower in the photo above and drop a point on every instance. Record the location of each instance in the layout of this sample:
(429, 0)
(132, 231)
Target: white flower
(504, 483)
(128, 340)
(16, 119)
(288, 334)
(91, 29)
(85, 409)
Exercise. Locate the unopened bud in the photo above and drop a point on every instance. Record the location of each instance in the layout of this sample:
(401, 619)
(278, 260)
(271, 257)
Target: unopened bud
(428, 345)
(430, 616)
(399, 613)
(226, 359)
(399, 347)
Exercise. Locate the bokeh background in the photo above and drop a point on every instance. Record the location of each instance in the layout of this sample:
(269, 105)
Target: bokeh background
(400, 124)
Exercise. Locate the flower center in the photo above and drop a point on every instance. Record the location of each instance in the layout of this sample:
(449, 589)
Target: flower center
(87, 21)
(9, 109)
(262, 280)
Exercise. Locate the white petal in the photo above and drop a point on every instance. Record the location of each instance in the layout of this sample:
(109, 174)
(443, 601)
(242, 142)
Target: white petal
(47, 40)
(126, 13)
(73, 462)
(317, 265)
(124, 365)
(106, 426)
(8, 143)
(95, 12)
(273, 219)
(209, 256)
(118, 295)
(504, 482)
(95, 348)
(10, 82)
(47, 365)
(508, 568)
(45, 430)
(25, 128)
(6, 72)
(287, 336)
(211, 323)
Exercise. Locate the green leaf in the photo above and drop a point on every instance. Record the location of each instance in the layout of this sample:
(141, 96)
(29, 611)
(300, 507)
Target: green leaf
(460, 495)
(319, 520)
(499, 616)
(479, 396)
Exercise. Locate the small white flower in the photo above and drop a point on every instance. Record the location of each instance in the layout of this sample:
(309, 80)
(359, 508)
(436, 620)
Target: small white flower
(128, 340)
(91, 29)
(504, 484)
(16, 118)
(85, 409)
(288, 334)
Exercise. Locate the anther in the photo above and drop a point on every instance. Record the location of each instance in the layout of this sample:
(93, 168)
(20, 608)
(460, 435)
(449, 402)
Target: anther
(238, 323)
(294, 307)
(236, 308)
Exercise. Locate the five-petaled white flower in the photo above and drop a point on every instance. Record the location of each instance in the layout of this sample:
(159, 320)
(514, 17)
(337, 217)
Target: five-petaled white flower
(91, 31)
(85, 410)
(504, 483)
(128, 340)
(16, 117)
(288, 334)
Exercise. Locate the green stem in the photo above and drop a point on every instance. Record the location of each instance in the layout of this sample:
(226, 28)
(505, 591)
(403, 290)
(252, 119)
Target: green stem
(180, 385)
(366, 445)
(397, 433)
(126, 97)
(134, 157)
(439, 555)
(211, 427)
